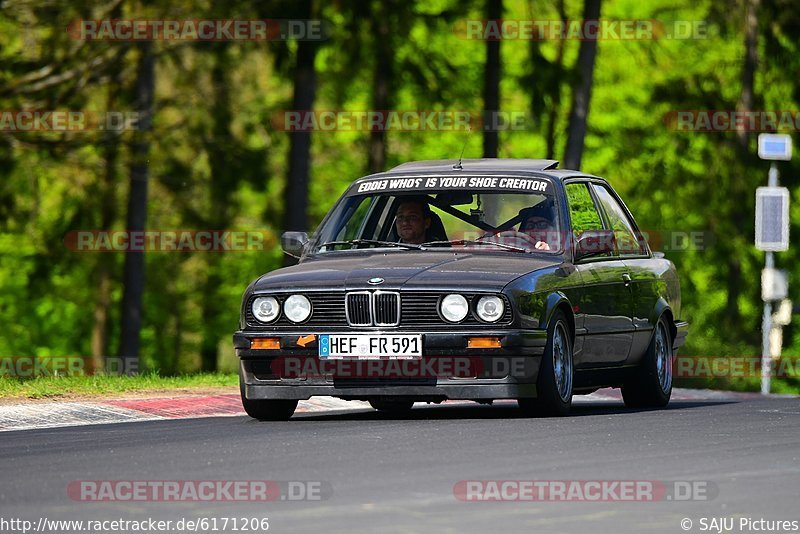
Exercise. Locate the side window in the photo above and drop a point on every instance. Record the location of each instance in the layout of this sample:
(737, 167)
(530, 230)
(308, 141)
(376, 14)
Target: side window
(582, 210)
(625, 237)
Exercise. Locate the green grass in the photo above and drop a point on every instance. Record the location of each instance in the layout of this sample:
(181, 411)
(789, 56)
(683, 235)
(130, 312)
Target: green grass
(107, 385)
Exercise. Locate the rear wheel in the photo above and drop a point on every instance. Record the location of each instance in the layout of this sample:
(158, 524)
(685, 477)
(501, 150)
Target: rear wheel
(651, 384)
(391, 406)
(267, 409)
(554, 385)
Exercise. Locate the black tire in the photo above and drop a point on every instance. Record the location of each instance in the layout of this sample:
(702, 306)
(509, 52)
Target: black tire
(267, 410)
(650, 386)
(556, 373)
(395, 406)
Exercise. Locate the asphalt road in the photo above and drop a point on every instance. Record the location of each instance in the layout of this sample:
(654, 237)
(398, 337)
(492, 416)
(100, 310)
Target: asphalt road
(388, 474)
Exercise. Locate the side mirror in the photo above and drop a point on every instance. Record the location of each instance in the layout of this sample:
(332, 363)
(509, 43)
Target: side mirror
(594, 243)
(293, 243)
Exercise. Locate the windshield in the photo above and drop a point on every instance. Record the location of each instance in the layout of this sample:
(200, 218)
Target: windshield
(481, 221)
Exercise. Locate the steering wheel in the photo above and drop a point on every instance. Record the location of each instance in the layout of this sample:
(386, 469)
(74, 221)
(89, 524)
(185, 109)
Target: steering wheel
(515, 238)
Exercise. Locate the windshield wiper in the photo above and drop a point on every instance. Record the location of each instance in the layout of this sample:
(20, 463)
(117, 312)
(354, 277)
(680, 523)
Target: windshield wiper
(473, 242)
(371, 242)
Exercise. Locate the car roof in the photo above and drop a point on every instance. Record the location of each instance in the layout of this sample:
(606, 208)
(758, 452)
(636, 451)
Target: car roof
(533, 168)
(540, 167)
(477, 165)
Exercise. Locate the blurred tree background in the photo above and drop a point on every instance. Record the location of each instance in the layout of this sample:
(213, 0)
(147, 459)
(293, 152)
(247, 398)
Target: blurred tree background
(211, 157)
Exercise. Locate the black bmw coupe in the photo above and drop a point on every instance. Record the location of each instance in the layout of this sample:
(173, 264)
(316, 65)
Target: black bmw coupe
(476, 279)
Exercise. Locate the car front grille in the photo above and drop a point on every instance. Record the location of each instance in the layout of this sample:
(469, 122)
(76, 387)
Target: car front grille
(358, 308)
(368, 308)
(376, 308)
(385, 308)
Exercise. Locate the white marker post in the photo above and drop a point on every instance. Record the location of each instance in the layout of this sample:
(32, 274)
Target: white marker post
(772, 235)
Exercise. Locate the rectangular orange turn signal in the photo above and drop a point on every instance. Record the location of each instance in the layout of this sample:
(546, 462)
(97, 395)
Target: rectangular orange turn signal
(483, 343)
(272, 343)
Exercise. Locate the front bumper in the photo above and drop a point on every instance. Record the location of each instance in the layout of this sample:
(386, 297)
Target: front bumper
(682, 330)
(448, 369)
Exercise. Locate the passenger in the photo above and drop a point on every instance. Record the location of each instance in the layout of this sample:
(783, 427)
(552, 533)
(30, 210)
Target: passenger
(538, 223)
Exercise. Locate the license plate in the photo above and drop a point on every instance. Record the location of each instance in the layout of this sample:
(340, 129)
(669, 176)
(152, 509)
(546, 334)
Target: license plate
(367, 346)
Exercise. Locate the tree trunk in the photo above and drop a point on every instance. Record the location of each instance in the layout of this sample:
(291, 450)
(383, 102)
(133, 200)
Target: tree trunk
(555, 90)
(581, 92)
(305, 89)
(133, 276)
(491, 83)
(381, 87)
(103, 273)
(100, 316)
(747, 98)
(108, 215)
(222, 183)
(745, 104)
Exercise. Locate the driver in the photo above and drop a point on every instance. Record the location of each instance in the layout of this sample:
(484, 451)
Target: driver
(412, 220)
(537, 223)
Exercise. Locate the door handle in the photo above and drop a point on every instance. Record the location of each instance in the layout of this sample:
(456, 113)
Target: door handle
(626, 279)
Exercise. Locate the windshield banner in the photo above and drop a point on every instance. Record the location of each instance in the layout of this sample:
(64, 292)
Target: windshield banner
(413, 184)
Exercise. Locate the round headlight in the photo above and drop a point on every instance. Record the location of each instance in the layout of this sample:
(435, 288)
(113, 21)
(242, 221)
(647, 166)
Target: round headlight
(297, 308)
(490, 309)
(266, 309)
(454, 308)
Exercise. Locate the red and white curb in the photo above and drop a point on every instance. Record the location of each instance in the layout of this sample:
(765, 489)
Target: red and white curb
(61, 414)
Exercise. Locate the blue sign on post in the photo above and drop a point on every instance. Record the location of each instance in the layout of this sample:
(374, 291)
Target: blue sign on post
(775, 146)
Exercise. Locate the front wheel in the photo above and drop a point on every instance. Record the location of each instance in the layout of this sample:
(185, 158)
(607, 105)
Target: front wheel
(391, 406)
(651, 385)
(554, 385)
(267, 409)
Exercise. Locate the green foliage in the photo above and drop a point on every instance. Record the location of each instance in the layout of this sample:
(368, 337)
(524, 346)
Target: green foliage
(217, 162)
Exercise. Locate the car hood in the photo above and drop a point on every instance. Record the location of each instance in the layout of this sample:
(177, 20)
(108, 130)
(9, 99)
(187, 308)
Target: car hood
(406, 269)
